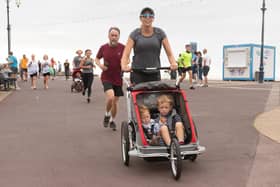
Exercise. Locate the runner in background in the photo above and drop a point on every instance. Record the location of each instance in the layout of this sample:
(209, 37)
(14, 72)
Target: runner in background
(23, 67)
(185, 65)
(206, 67)
(199, 60)
(76, 63)
(46, 71)
(87, 65)
(33, 69)
(53, 66)
(66, 69)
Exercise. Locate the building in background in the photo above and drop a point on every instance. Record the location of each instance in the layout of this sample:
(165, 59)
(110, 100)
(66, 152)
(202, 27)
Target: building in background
(242, 62)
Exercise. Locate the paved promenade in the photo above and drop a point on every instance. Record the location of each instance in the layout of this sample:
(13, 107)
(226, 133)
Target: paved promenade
(54, 138)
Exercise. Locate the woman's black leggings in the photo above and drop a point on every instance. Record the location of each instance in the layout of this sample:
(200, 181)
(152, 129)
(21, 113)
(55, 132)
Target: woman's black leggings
(88, 80)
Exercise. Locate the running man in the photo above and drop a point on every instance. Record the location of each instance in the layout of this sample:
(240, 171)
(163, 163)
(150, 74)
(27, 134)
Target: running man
(185, 65)
(111, 74)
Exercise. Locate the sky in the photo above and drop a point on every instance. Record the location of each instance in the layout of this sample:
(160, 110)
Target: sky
(59, 28)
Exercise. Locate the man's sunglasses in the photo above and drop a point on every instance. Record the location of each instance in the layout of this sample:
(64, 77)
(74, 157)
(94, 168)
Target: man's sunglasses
(147, 15)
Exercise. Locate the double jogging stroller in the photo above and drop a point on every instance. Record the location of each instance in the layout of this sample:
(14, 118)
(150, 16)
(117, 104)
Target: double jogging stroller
(133, 139)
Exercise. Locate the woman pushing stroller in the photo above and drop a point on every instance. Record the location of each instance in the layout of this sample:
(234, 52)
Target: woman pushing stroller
(76, 63)
(77, 84)
(146, 42)
(169, 128)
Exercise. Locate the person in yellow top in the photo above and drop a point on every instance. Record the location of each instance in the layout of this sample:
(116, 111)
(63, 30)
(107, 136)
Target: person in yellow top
(185, 65)
(23, 67)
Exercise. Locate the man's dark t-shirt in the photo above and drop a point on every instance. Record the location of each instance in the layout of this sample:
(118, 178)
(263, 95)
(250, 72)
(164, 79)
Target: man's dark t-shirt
(112, 59)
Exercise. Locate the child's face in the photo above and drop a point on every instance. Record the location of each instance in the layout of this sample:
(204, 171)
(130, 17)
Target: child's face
(164, 108)
(146, 117)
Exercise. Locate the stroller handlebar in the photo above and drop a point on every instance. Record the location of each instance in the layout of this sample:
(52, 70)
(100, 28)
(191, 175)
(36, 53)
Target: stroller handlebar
(142, 70)
(150, 69)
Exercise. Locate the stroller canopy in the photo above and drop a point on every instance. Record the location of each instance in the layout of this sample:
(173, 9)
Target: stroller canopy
(154, 85)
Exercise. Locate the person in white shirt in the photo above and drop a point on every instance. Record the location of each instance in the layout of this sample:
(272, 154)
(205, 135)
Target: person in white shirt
(206, 66)
(46, 65)
(32, 70)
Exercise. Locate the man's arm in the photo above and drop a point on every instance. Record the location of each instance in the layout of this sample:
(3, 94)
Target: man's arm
(101, 66)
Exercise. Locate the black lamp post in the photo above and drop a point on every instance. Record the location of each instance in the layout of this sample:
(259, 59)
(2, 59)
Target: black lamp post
(8, 23)
(8, 27)
(261, 73)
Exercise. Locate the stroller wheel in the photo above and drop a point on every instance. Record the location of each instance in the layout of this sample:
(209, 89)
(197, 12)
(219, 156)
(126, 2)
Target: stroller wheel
(79, 87)
(72, 87)
(125, 143)
(175, 159)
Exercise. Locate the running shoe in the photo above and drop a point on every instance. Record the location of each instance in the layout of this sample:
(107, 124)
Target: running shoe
(88, 100)
(192, 87)
(113, 125)
(106, 121)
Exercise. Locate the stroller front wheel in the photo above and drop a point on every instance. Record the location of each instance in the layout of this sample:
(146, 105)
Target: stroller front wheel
(125, 143)
(79, 87)
(175, 159)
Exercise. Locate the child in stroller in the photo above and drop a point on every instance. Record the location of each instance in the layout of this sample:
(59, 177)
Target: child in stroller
(157, 131)
(77, 84)
(168, 117)
(151, 129)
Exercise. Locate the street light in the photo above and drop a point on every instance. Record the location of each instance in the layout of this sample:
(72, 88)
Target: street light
(261, 73)
(8, 23)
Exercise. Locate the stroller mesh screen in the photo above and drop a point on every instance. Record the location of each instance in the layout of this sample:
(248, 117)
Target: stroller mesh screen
(150, 100)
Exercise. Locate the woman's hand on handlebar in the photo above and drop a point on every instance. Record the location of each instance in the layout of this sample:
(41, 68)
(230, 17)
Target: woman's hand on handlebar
(126, 68)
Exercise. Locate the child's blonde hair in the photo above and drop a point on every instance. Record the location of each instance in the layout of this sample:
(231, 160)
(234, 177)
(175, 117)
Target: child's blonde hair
(143, 109)
(165, 99)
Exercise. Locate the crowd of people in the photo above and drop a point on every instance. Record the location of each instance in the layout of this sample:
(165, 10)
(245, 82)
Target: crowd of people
(30, 68)
(113, 58)
(197, 66)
